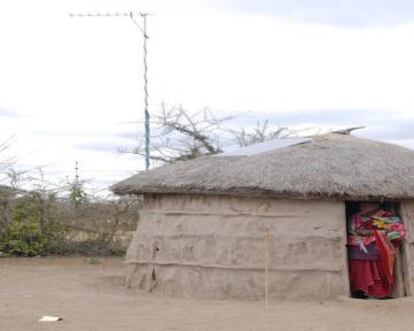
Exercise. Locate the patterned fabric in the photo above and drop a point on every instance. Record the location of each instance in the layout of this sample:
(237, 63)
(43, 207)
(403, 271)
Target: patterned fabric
(372, 247)
(382, 220)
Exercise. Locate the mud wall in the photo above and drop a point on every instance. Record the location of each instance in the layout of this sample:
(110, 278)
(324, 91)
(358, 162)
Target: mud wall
(212, 247)
(407, 214)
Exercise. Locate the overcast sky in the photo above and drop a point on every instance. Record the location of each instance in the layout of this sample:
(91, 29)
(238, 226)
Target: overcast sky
(70, 88)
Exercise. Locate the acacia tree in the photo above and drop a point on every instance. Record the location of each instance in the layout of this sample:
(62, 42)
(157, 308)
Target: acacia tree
(6, 160)
(179, 135)
(9, 179)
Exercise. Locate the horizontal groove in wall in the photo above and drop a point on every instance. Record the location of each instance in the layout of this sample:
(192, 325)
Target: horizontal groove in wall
(226, 267)
(225, 214)
(219, 236)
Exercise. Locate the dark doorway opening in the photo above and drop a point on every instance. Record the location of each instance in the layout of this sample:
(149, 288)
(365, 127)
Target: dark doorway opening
(369, 263)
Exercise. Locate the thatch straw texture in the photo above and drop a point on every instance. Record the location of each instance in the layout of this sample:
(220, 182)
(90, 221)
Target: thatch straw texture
(329, 166)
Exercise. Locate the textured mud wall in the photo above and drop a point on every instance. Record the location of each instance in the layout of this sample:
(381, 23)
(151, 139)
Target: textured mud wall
(407, 213)
(212, 247)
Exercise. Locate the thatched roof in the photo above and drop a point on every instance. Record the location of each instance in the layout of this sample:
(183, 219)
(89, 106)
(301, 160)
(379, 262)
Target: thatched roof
(329, 166)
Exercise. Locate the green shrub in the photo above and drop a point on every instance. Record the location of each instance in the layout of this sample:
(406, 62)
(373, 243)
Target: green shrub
(26, 239)
(40, 223)
(32, 229)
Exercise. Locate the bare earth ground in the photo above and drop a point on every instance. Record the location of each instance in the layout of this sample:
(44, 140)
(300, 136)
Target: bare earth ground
(90, 297)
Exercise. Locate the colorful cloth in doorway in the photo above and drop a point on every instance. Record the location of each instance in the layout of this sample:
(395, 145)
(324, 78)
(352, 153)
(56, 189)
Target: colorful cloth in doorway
(372, 245)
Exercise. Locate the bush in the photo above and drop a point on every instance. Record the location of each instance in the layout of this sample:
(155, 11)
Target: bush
(31, 230)
(41, 223)
(26, 239)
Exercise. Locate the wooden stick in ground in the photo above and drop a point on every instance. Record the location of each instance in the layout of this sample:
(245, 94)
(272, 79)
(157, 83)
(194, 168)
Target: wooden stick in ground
(266, 237)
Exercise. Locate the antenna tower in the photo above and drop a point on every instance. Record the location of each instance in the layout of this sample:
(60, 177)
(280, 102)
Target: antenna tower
(143, 29)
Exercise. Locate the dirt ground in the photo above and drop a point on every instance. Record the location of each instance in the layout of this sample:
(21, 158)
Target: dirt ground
(91, 297)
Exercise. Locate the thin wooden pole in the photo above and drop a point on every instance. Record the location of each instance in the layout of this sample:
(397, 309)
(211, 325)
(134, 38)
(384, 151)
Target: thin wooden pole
(266, 237)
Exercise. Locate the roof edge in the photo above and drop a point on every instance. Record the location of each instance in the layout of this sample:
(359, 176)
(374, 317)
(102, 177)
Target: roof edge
(239, 192)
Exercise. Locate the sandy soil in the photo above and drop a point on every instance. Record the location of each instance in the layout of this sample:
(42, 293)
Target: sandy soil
(90, 297)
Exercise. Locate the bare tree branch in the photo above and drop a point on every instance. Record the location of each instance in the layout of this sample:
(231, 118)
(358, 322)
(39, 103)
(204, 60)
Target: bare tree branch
(178, 134)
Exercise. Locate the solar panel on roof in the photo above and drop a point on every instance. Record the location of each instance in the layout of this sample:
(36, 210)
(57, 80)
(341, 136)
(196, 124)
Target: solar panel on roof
(264, 147)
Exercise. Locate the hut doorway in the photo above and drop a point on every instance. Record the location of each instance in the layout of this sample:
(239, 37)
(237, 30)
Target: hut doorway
(377, 261)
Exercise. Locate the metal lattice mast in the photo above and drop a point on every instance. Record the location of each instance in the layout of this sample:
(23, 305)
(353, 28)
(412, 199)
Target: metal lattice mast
(143, 29)
(77, 174)
(147, 116)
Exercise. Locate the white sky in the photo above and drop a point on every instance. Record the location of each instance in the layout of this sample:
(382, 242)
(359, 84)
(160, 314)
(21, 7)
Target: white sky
(70, 87)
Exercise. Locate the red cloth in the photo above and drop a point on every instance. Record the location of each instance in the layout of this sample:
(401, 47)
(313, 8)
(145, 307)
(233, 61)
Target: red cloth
(387, 255)
(369, 277)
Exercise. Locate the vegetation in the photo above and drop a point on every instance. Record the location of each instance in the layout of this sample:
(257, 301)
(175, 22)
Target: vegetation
(29, 231)
(179, 135)
(62, 219)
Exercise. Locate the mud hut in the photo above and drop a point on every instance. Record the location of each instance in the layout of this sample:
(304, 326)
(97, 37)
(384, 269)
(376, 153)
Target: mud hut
(200, 232)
